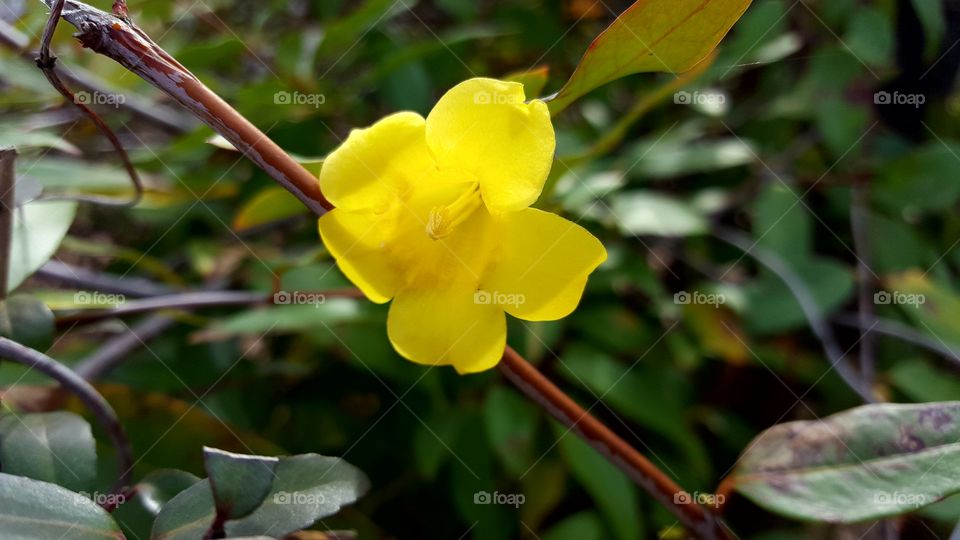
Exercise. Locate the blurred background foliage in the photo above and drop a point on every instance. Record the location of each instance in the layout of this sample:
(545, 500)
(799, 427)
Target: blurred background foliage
(779, 157)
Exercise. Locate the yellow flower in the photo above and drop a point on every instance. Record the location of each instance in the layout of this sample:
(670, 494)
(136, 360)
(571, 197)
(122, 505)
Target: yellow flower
(433, 213)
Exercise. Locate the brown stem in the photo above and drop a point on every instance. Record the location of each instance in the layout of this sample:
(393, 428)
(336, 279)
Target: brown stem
(546, 394)
(122, 41)
(8, 159)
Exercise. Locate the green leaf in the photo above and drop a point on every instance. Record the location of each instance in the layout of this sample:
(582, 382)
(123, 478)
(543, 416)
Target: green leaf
(286, 319)
(28, 321)
(613, 492)
(307, 488)
(772, 307)
(33, 510)
(700, 157)
(160, 486)
(187, 516)
(866, 463)
(923, 179)
(576, 527)
(647, 394)
(933, 307)
(782, 223)
(38, 229)
(930, 13)
(533, 81)
(922, 382)
(55, 447)
(870, 37)
(271, 204)
(649, 213)
(651, 35)
(239, 482)
(511, 424)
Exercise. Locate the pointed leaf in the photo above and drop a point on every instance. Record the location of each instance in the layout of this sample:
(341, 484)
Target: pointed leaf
(862, 464)
(53, 447)
(239, 482)
(34, 510)
(651, 35)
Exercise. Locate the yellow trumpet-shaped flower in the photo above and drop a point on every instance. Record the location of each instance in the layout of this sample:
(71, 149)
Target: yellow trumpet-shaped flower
(433, 213)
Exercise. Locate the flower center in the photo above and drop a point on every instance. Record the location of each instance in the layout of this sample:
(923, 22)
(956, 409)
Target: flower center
(444, 219)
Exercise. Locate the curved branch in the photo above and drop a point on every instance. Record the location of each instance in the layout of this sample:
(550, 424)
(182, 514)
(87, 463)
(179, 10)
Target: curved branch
(13, 351)
(901, 331)
(807, 303)
(119, 39)
(47, 63)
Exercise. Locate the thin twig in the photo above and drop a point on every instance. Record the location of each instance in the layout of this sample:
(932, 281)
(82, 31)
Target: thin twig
(644, 473)
(158, 114)
(11, 350)
(8, 181)
(807, 303)
(188, 301)
(69, 275)
(860, 227)
(124, 42)
(118, 349)
(900, 331)
(47, 64)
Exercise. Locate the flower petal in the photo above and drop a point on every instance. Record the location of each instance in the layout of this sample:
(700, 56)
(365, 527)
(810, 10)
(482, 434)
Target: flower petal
(446, 326)
(377, 163)
(543, 266)
(358, 241)
(483, 128)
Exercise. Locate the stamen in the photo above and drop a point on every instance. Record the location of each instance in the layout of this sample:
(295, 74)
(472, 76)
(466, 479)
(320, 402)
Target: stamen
(444, 219)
